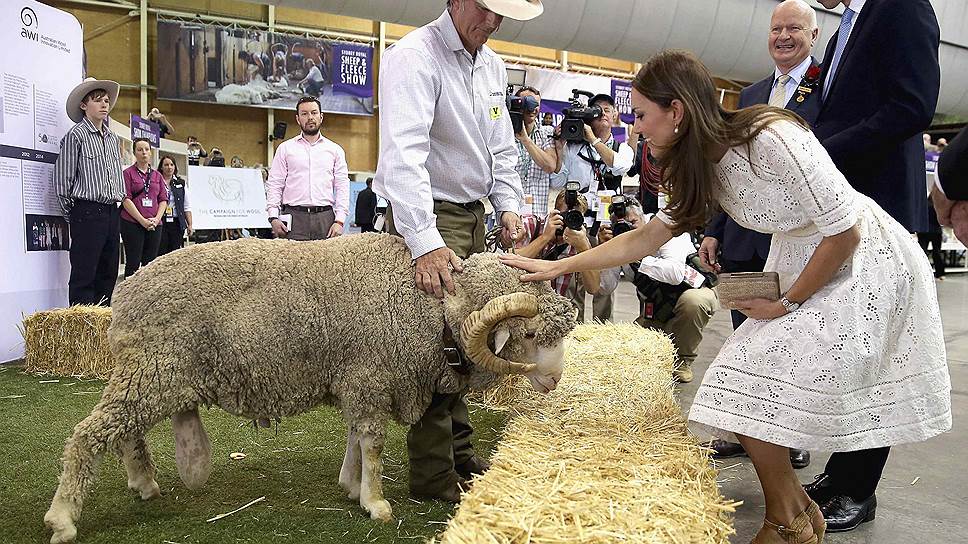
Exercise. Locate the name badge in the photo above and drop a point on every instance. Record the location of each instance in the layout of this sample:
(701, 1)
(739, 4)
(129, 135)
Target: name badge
(146, 202)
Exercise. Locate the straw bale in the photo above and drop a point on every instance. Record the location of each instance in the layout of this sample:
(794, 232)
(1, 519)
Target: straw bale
(68, 342)
(604, 458)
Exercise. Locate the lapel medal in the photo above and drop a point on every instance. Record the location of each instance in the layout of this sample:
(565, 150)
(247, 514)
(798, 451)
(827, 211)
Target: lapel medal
(800, 99)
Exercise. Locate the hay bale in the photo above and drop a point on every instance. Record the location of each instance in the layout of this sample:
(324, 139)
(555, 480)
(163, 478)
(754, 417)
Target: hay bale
(604, 458)
(68, 342)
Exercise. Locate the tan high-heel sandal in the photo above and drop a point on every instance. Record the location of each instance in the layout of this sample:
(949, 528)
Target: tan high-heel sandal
(814, 513)
(791, 534)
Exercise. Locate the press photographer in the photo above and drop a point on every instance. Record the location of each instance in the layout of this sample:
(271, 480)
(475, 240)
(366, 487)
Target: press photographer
(564, 235)
(675, 294)
(537, 157)
(586, 149)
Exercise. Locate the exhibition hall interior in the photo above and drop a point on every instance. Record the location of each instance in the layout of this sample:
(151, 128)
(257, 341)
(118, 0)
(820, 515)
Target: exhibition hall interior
(484, 271)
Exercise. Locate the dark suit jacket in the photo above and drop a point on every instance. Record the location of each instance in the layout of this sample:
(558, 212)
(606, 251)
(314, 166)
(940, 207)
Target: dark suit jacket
(365, 207)
(738, 243)
(881, 99)
(953, 168)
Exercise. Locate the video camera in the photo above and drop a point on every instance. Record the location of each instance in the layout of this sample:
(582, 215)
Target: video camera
(619, 209)
(517, 107)
(573, 217)
(577, 116)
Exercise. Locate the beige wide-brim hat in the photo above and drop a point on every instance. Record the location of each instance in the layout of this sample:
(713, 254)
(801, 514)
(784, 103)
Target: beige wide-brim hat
(519, 10)
(74, 99)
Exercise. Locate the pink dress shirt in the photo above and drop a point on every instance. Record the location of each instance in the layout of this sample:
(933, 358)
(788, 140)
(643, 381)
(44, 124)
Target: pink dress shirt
(309, 174)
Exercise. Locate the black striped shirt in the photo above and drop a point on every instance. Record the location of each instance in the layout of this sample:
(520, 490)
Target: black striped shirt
(89, 166)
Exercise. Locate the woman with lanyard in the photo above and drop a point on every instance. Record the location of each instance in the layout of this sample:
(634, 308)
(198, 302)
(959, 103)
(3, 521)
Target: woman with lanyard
(145, 202)
(178, 215)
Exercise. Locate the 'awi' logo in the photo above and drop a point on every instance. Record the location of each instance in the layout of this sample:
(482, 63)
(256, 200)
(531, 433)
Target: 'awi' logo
(29, 19)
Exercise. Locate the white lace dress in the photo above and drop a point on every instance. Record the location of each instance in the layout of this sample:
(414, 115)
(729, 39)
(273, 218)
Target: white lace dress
(862, 363)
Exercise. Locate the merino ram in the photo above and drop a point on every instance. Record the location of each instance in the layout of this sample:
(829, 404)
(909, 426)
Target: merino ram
(273, 328)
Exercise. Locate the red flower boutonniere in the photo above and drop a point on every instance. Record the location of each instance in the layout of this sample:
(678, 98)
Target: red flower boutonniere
(812, 75)
(810, 81)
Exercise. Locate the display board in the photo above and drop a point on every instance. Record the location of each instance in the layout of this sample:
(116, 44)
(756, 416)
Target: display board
(41, 61)
(226, 198)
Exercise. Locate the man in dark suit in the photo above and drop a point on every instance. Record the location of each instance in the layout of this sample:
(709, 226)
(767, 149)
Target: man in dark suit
(366, 208)
(795, 85)
(950, 194)
(881, 80)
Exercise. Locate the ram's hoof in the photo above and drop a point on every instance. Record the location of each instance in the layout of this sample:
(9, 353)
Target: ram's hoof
(61, 524)
(380, 510)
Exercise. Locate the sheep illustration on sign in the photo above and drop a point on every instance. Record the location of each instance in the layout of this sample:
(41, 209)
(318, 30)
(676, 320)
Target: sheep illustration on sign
(227, 190)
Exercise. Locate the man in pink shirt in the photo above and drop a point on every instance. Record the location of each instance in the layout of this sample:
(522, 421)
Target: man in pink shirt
(309, 181)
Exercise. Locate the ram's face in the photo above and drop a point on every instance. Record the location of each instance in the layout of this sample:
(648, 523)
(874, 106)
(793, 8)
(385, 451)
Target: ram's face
(538, 340)
(521, 333)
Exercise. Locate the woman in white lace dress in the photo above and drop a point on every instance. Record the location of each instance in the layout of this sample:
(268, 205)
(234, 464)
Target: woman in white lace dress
(861, 363)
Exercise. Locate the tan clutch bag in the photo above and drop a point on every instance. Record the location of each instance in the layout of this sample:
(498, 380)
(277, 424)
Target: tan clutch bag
(747, 285)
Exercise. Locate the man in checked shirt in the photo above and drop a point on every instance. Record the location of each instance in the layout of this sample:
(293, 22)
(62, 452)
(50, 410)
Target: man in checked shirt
(87, 178)
(447, 143)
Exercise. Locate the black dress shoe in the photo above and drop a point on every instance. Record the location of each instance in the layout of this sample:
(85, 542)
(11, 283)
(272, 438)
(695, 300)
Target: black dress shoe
(475, 466)
(821, 489)
(843, 513)
(724, 450)
(799, 458)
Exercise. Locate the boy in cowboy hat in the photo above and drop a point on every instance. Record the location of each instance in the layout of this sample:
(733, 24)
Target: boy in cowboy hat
(87, 178)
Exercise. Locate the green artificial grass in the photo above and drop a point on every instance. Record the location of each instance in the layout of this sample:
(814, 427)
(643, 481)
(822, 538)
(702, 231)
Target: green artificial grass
(295, 466)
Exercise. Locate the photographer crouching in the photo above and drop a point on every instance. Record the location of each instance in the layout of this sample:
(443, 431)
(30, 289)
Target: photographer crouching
(587, 152)
(564, 235)
(675, 294)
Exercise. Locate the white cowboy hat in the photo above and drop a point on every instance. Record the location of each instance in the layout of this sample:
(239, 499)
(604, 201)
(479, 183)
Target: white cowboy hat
(519, 10)
(74, 99)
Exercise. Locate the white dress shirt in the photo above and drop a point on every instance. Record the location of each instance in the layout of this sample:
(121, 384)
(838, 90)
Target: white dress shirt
(574, 168)
(796, 76)
(446, 134)
(668, 265)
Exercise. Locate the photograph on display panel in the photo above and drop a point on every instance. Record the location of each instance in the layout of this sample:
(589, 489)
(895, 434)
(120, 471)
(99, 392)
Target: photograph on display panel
(235, 66)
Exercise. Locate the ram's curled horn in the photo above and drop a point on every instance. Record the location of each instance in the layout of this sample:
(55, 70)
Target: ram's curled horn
(477, 326)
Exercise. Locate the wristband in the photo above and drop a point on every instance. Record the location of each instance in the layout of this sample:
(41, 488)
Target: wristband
(596, 142)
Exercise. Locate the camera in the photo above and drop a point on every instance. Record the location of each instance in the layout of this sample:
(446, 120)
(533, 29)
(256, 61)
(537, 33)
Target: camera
(619, 209)
(517, 107)
(573, 217)
(577, 116)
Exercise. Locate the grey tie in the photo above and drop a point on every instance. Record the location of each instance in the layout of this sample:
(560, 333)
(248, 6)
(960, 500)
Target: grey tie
(779, 99)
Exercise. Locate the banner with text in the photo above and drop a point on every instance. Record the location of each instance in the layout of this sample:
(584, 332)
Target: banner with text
(354, 68)
(226, 198)
(245, 67)
(41, 61)
(622, 93)
(143, 128)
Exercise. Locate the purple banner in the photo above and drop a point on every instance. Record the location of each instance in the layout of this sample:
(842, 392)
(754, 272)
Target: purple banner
(622, 93)
(352, 69)
(143, 128)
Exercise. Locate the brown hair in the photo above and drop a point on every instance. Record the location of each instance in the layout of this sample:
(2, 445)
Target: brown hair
(96, 94)
(687, 170)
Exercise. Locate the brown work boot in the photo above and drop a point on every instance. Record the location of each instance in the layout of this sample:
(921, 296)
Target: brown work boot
(475, 466)
(683, 373)
(449, 493)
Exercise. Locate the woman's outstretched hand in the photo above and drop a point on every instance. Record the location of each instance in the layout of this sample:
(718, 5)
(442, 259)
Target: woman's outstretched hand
(539, 270)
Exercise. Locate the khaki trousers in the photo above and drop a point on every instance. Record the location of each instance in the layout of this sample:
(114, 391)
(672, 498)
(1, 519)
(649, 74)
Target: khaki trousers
(692, 312)
(441, 439)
